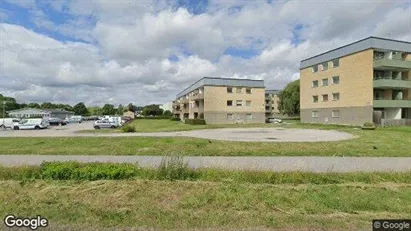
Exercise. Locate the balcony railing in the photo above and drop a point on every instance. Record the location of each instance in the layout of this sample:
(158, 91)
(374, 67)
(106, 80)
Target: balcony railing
(392, 64)
(384, 103)
(384, 82)
(197, 96)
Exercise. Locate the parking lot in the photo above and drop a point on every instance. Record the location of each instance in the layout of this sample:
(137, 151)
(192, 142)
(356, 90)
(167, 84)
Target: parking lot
(275, 134)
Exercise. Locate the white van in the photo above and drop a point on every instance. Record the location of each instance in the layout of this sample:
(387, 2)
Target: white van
(31, 124)
(116, 120)
(8, 122)
(75, 119)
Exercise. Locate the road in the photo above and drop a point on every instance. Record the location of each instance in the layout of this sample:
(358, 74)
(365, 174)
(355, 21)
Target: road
(306, 164)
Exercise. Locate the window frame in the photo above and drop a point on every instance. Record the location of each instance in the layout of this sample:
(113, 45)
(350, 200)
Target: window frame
(312, 84)
(248, 90)
(336, 93)
(237, 101)
(239, 90)
(323, 97)
(338, 62)
(230, 90)
(322, 82)
(315, 96)
(316, 114)
(332, 80)
(231, 103)
(333, 115)
(251, 116)
(314, 68)
(248, 103)
(230, 115)
(324, 66)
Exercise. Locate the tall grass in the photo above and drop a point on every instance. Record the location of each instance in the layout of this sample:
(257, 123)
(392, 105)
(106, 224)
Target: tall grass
(174, 168)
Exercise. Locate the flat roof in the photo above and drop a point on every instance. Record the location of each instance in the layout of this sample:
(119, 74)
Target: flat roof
(218, 81)
(360, 45)
(272, 91)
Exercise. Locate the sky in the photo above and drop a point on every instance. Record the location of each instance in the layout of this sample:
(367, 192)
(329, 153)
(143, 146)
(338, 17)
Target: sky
(143, 52)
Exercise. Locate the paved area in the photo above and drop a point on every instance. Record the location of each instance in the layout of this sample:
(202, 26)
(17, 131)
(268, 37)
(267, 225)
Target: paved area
(275, 134)
(280, 164)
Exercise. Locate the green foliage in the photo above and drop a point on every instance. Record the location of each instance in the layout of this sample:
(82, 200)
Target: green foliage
(131, 107)
(369, 124)
(167, 113)
(174, 168)
(290, 99)
(81, 109)
(154, 117)
(95, 111)
(89, 171)
(128, 128)
(195, 121)
(152, 110)
(175, 119)
(108, 109)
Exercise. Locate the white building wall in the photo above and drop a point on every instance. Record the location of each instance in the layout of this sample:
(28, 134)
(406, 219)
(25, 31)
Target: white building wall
(393, 113)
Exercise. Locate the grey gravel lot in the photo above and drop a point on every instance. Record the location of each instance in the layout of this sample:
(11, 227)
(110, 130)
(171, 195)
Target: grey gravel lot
(279, 164)
(275, 134)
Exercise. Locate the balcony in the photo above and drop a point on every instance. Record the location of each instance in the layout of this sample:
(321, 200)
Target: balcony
(197, 109)
(184, 101)
(391, 83)
(197, 96)
(383, 103)
(184, 110)
(395, 64)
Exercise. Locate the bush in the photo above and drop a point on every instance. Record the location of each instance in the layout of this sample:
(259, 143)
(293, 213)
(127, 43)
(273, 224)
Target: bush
(154, 118)
(368, 126)
(128, 128)
(195, 121)
(175, 119)
(91, 171)
(174, 168)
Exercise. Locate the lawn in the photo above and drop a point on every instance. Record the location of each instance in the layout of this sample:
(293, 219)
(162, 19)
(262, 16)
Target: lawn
(163, 125)
(395, 141)
(103, 205)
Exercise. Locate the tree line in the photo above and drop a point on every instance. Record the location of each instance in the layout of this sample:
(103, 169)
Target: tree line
(81, 109)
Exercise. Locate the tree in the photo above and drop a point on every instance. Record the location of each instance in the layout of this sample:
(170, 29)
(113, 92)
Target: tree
(47, 105)
(120, 109)
(131, 107)
(290, 99)
(10, 105)
(96, 111)
(34, 105)
(108, 109)
(152, 110)
(168, 113)
(80, 109)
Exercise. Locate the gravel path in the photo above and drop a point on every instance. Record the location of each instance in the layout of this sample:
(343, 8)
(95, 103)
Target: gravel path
(308, 164)
(275, 134)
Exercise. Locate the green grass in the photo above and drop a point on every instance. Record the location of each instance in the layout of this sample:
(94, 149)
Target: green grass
(394, 141)
(147, 125)
(95, 205)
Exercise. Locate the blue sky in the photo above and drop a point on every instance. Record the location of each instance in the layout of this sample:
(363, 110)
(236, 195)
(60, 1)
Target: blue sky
(67, 50)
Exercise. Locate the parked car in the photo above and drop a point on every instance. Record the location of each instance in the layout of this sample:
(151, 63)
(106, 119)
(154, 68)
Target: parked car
(105, 124)
(273, 120)
(57, 121)
(75, 119)
(31, 124)
(8, 122)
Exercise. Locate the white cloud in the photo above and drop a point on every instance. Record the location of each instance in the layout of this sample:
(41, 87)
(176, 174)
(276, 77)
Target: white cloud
(126, 59)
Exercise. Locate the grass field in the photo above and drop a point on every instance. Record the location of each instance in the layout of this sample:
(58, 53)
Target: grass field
(163, 125)
(94, 205)
(395, 141)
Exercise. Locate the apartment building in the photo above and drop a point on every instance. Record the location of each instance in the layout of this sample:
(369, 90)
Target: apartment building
(365, 81)
(222, 101)
(271, 103)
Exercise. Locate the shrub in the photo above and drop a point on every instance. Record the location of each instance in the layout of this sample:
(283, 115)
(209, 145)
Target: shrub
(195, 121)
(90, 171)
(368, 126)
(154, 118)
(128, 128)
(175, 119)
(174, 168)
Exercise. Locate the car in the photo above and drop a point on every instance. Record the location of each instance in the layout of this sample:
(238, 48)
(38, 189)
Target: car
(105, 124)
(8, 122)
(31, 124)
(75, 119)
(57, 121)
(273, 120)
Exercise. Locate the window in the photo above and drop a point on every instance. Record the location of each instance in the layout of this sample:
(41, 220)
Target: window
(325, 66)
(239, 103)
(335, 113)
(229, 90)
(315, 98)
(336, 80)
(249, 116)
(314, 114)
(248, 103)
(248, 90)
(336, 63)
(239, 90)
(325, 82)
(325, 98)
(315, 68)
(315, 84)
(336, 96)
(230, 116)
(229, 103)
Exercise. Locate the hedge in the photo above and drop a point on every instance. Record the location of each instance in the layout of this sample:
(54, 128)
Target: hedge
(154, 117)
(195, 121)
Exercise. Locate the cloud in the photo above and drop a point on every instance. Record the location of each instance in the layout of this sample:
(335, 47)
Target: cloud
(118, 51)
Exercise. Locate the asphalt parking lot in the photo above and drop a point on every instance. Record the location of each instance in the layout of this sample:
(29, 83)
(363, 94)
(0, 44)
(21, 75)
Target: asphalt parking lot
(229, 134)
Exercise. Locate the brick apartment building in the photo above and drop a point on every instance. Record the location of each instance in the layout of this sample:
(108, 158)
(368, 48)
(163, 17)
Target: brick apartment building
(365, 81)
(222, 101)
